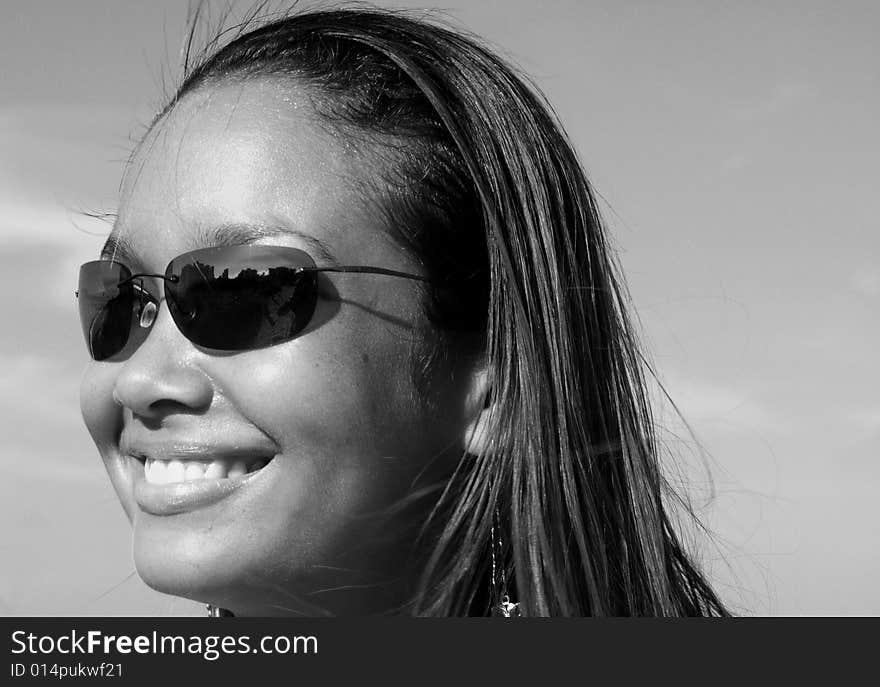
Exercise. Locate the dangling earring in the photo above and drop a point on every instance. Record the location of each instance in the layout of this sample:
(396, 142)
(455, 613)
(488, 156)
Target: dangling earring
(502, 607)
(217, 612)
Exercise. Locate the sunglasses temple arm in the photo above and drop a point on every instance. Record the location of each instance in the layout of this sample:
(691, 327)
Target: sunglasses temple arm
(355, 268)
(370, 270)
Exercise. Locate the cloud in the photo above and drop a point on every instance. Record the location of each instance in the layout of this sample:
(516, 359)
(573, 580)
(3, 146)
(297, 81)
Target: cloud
(707, 406)
(58, 461)
(41, 388)
(42, 426)
(866, 281)
(866, 419)
(782, 98)
(56, 161)
(22, 221)
(734, 163)
(38, 303)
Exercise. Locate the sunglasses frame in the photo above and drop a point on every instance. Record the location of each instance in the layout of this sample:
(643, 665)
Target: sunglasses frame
(259, 253)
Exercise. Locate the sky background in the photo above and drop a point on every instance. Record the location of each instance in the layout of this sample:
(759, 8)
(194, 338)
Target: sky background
(736, 151)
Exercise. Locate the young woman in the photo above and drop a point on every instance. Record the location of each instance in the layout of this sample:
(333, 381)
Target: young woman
(359, 345)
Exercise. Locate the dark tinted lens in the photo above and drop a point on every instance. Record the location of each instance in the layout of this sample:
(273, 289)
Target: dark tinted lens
(239, 298)
(105, 307)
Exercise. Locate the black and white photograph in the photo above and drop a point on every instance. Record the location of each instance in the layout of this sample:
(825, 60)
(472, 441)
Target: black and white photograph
(481, 309)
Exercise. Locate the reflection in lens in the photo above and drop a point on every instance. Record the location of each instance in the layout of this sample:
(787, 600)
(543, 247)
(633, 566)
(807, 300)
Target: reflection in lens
(108, 332)
(245, 306)
(148, 314)
(105, 302)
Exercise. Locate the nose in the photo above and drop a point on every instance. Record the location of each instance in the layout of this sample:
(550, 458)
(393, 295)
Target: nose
(163, 374)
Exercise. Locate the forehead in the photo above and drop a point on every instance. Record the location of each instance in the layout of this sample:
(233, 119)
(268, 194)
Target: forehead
(247, 153)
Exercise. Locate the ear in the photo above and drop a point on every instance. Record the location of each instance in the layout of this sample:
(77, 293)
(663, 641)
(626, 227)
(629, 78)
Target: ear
(479, 408)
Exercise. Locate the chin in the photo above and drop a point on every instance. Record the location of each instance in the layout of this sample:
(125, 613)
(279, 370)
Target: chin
(215, 569)
(214, 560)
(188, 564)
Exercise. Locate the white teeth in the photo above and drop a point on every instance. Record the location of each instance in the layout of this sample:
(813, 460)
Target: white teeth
(155, 471)
(238, 469)
(168, 471)
(175, 472)
(216, 470)
(194, 471)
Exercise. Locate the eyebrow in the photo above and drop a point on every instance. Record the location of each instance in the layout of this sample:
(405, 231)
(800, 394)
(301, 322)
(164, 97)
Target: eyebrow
(119, 249)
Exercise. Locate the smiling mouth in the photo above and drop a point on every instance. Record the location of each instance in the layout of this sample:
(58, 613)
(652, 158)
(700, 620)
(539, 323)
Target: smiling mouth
(189, 477)
(160, 472)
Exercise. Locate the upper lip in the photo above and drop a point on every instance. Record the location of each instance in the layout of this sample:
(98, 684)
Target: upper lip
(187, 449)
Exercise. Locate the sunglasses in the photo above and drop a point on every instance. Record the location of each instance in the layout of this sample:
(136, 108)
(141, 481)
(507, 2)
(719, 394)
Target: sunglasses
(236, 298)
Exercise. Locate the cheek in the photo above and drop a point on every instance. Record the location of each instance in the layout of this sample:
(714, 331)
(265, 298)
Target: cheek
(103, 418)
(341, 410)
(339, 392)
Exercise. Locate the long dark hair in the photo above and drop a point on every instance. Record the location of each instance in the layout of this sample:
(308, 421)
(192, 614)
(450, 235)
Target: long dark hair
(479, 181)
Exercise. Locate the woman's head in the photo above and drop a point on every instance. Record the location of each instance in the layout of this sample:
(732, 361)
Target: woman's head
(412, 422)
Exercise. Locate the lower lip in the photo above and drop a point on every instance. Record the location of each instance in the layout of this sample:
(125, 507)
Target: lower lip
(181, 497)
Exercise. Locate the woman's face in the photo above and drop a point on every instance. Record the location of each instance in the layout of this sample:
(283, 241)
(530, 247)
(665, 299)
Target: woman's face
(335, 411)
